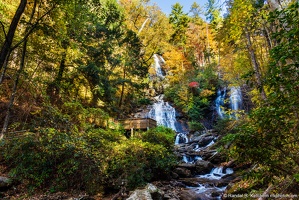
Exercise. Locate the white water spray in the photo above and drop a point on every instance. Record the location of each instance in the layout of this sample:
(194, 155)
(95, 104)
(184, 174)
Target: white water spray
(235, 98)
(163, 113)
(219, 102)
(158, 67)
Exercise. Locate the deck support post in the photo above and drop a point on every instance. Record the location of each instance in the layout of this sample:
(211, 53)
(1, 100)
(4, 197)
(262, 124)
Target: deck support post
(132, 132)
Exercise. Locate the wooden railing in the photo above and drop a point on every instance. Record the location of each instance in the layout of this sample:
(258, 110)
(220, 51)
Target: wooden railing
(138, 123)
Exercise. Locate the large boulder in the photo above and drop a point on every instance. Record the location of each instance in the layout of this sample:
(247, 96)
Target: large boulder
(190, 182)
(205, 140)
(189, 194)
(187, 166)
(5, 182)
(150, 192)
(182, 172)
(217, 158)
(207, 154)
(203, 167)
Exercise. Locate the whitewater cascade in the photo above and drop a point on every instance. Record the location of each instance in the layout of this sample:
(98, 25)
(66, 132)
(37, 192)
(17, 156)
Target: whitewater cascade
(165, 115)
(158, 60)
(162, 111)
(220, 102)
(234, 99)
(143, 25)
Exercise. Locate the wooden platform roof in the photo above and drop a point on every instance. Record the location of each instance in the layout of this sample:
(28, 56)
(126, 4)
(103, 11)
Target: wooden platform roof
(138, 123)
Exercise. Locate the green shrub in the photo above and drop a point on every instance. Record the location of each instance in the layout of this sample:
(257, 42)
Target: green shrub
(68, 152)
(224, 126)
(147, 157)
(58, 160)
(139, 162)
(144, 101)
(195, 126)
(91, 161)
(197, 108)
(160, 135)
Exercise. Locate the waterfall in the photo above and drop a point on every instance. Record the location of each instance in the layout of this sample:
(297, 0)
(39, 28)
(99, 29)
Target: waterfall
(163, 113)
(190, 159)
(217, 173)
(219, 102)
(235, 98)
(181, 138)
(158, 59)
(235, 101)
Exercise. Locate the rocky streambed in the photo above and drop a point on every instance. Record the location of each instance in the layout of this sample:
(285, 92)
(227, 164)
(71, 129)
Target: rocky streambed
(202, 173)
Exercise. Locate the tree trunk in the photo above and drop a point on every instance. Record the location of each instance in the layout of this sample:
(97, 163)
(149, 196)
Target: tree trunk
(266, 192)
(4, 68)
(14, 91)
(11, 32)
(267, 36)
(122, 89)
(19, 72)
(61, 68)
(256, 66)
(53, 89)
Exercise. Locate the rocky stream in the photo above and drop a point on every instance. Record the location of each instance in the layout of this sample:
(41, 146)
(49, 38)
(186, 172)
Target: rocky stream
(202, 173)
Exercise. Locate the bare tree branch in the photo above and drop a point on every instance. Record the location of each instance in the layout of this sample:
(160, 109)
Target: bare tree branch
(32, 28)
(3, 28)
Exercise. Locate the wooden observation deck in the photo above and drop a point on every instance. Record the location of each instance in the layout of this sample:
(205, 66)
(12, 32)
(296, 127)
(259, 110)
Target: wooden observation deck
(138, 123)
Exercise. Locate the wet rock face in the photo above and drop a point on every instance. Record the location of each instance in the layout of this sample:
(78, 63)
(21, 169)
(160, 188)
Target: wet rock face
(150, 192)
(203, 167)
(189, 195)
(202, 140)
(183, 172)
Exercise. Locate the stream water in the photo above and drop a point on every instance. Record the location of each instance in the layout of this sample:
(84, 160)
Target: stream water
(165, 115)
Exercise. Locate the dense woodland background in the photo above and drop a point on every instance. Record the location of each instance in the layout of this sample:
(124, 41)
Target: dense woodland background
(69, 68)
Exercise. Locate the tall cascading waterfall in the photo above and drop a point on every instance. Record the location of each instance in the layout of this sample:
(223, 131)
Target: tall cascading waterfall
(165, 115)
(143, 25)
(163, 112)
(235, 101)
